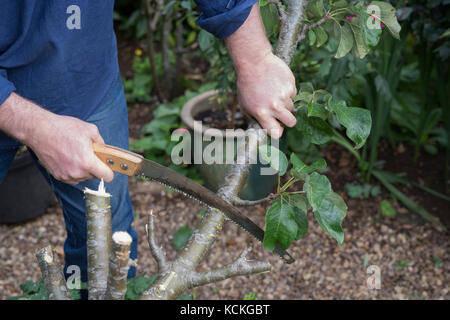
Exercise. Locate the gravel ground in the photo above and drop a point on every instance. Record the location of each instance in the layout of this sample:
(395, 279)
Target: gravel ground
(413, 259)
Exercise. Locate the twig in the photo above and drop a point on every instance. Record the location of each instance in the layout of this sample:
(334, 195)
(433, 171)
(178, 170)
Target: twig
(281, 10)
(165, 44)
(98, 219)
(241, 266)
(151, 24)
(157, 251)
(119, 263)
(305, 29)
(51, 270)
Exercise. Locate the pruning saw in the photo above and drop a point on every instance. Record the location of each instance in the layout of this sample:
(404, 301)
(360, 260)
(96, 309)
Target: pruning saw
(133, 164)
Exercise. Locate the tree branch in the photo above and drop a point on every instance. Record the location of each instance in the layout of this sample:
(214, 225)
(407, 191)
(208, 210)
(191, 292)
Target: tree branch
(98, 220)
(153, 14)
(181, 274)
(281, 10)
(51, 270)
(305, 29)
(289, 32)
(157, 251)
(241, 266)
(119, 263)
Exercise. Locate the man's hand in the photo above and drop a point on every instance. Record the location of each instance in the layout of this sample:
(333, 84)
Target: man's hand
(266, 85)
(63, 144)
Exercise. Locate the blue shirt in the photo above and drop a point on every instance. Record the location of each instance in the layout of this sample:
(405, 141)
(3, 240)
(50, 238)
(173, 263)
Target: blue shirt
(62, 54)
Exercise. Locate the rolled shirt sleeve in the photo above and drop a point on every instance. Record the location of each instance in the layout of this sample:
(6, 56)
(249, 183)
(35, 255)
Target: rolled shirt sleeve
(6, 87)
(223, 17)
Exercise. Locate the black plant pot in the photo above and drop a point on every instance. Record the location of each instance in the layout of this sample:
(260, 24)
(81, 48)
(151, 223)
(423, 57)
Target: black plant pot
(24, 193)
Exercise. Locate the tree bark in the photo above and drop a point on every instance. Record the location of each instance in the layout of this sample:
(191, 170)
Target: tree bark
(119, 263)
(98, 219)
(51, 270)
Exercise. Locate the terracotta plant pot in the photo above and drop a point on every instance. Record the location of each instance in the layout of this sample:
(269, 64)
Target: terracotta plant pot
(24, 193)
(257, 186)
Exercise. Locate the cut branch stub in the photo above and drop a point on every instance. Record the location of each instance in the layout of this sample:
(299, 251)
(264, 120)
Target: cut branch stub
(51, 270)
(98, 219)
(118, 266)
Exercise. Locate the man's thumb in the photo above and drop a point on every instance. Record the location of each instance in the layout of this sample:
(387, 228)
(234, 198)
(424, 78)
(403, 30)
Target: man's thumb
(101, 170)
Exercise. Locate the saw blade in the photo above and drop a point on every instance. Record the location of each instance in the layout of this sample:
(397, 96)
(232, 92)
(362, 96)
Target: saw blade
(190, 188)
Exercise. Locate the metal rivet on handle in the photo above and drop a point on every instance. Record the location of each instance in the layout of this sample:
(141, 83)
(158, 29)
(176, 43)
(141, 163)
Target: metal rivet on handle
(124, 166)
(110, 161)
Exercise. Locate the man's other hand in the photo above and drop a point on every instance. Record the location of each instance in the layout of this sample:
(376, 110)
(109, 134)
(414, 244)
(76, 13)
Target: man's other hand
(266, 92)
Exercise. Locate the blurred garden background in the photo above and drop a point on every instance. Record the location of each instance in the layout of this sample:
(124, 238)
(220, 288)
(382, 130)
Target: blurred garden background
(397, 186)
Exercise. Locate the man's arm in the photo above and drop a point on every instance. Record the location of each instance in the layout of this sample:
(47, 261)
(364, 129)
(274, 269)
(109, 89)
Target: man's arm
(63, 144)
(265, 83)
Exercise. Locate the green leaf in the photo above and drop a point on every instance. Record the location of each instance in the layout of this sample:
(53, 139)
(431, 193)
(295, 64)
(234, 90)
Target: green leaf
(300, 169)
(306, 87)
(300, 204)
(164, 110)
(311, 37)
(346, 42)
(386, 15)
(330, 215)
(275, 157)
(387, 210)
(269, 15)
(316, 8)
(303, 96)
(137, 285)
(357, 121)
(317, 110)
(317, 187)
(360, 49)
(205, 40)
(284, 224)
(321, 35)
(298, 201)
(312, 128)
(182, 236)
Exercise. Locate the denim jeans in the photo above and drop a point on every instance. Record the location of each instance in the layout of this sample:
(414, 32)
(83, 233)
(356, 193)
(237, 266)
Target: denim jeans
(111, 119)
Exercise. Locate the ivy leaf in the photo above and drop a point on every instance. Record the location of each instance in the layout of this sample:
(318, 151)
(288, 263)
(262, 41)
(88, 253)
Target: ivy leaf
(276, 158)
(321, 35)
(357, 121)
(387, 16)
(182, 236)
(284, 224)
(300, 169)
(317, 187)
(346, 42)
(330, 214)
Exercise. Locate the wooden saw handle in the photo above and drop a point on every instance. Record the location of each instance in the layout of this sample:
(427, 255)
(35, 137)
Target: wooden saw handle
(119, 160)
